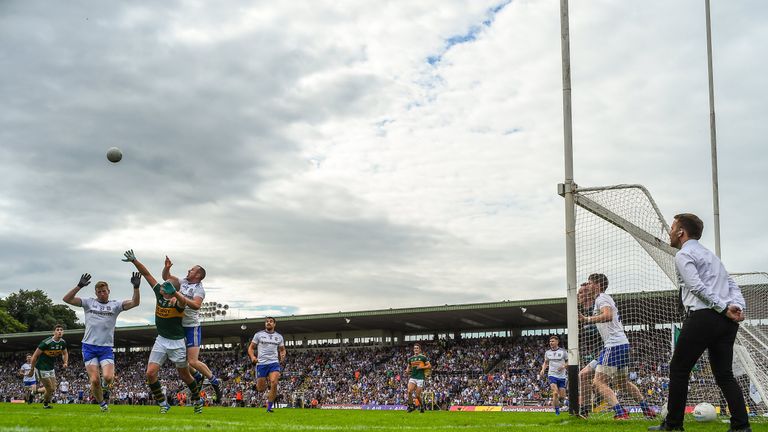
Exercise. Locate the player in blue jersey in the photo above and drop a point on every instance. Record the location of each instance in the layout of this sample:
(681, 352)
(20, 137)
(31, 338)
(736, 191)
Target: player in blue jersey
(29, 380)
(191, 287)
(270, 347)
(99, 338)
(613, 361)
(586, 303)
(556, 359)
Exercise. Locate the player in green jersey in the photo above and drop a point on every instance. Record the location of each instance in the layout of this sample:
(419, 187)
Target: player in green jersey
(44, 358)
(418, 365)
(170, 342)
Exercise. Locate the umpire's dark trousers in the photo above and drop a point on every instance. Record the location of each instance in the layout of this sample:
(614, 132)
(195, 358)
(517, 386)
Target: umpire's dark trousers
(705, 329)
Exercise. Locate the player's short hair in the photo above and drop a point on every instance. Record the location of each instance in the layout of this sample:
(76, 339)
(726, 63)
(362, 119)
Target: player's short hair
(417, 345)
(201, 270)
(270, 318)
(58, 326)
(100, 284)
(691, 224)
(556, 337)
(600, 279)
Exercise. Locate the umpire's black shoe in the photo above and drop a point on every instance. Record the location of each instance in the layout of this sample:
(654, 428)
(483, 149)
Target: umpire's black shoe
(665, 427)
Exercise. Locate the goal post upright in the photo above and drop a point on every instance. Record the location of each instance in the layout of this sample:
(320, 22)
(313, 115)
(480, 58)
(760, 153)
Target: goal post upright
(567, 190)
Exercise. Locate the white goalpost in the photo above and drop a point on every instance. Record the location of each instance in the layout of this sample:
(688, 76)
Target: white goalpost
(620, 232)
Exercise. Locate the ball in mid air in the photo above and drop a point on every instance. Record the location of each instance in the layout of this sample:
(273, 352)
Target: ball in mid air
(114, 155)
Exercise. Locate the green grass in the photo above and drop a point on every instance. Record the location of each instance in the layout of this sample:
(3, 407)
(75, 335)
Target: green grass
(17, 417)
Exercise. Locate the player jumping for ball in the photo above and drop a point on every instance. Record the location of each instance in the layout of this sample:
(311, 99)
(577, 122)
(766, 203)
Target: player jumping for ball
(98, 341)
(169, 344)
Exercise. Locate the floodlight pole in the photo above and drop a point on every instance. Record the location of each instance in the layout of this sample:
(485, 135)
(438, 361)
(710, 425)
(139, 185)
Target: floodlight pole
(567, 190)
(713, 133)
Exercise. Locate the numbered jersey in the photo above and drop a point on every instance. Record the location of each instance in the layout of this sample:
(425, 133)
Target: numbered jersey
(100, 320)
(268, 346)
(612, 332)
(415, 362)
(25, 370)
(51, 349)
(168, 316)
(190, 291)
(557, 359)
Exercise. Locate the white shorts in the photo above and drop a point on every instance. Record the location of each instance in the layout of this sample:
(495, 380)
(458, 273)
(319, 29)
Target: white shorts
(611, 371)
(47, 374)
(95, 362)
(419, 382)
(169, 349)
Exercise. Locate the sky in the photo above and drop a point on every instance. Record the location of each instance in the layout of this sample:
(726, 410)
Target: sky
(323, 156)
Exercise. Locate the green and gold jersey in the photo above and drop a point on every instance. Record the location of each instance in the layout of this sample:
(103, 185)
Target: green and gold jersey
(415, 362)
(51, 349)
(168, 316)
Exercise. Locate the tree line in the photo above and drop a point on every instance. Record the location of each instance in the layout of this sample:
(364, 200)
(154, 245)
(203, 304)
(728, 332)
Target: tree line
(29, 311)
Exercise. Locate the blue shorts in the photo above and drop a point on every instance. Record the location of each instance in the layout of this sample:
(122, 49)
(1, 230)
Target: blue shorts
(555, 380)
(30, 383)
(617, 356)
(263, 371)
(99, 353)
(194, 336)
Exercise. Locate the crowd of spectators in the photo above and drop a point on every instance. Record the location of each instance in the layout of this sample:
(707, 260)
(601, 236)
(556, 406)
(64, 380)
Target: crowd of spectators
(494, 371)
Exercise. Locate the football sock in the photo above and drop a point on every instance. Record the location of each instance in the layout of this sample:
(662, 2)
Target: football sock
(194, 389)
(157, 391)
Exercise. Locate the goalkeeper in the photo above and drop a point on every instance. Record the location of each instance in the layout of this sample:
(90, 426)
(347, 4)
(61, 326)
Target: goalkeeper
(170, 341)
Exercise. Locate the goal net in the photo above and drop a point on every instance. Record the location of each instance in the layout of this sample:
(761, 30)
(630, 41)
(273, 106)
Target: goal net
(621, 233)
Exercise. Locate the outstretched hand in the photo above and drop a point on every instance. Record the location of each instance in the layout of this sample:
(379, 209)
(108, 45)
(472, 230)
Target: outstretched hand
(135, 279)
(168, 263)
(129, 256)
(85, 279)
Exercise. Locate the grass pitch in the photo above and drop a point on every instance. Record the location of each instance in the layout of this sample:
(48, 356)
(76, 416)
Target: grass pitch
(32, 418)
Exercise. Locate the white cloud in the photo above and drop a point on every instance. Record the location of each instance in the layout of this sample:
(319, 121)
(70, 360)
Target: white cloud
(316, 155)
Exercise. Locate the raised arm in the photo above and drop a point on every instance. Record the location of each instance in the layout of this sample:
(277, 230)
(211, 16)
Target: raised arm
(167, 268)
(131, 257)
(136, 298)
(69, 297)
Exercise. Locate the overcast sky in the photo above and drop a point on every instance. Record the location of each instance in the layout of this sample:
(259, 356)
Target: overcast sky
(318, 156)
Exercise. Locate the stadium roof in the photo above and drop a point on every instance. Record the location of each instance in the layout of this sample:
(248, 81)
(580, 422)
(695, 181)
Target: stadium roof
(479, 317)
(464, 317)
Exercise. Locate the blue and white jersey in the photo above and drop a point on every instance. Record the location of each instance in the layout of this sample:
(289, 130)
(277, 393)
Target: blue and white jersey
(25, 369)
(558, 359)
(268, 344)
(100, 320)
(190, 291)
(612, 332)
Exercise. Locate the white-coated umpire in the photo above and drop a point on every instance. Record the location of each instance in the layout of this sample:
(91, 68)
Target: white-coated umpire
(714, 306)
